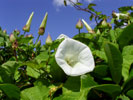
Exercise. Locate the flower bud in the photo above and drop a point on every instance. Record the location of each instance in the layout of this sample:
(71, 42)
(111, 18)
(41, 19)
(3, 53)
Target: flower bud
(124, 16)
(131, 7)
(31, 41)
(26, 28)
(79, 24)
(38, 44)
(43, 25)
(104, 23)
(4, 31)
(17, 31)
(89, 29)
(49, 40)
(114, 15)
(30, 35)
(12, 38)
(98, 31)
(15, 45)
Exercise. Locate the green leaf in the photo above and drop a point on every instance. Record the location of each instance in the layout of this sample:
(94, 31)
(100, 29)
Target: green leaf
(78, 3)
(91, 17)
(126, 36)
(32, 64)
(7, 71)
(43, 56)
(130, 93)
(110, 89)
(1, 40)
(65, 3)
(128, 85)
(70, 96)
(32, 72)
(11, 91)
(87, 81)
(122, 97)
(73, 84)
(115, 61)
(91, 5)
(127, 61)
(55, 70)
(100, 54)
(123, 9)
(25, 40)
(100, 71)
(83, 36)
(35, 93)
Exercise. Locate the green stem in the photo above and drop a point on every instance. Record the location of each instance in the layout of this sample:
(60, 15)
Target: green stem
(15, 55)
(37, 39)
(24, 33)
(79, 31)
(49, 49)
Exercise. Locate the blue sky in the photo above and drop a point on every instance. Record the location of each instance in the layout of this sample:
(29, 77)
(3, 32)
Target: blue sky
(61, 20)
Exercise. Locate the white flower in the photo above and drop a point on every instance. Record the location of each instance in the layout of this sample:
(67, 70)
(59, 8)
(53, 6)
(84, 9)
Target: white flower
(74, 57)
(120, 15)
(61, 36)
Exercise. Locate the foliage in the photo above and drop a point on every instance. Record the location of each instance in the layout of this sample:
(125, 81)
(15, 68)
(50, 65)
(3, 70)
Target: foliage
(29, 71)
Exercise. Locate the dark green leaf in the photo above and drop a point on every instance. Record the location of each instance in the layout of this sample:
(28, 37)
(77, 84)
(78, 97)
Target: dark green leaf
(130, 93)
(126, 8)
(128, 85)
(126, 36)
(87, 82)
(11, 91)
(111, 89)
(101, 71)
(91, 17)
(73, 84)
(65, 3)
(56, 72)
(115, 61)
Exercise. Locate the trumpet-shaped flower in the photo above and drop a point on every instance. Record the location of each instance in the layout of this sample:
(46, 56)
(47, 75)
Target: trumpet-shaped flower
(74, 57)
(61, 36)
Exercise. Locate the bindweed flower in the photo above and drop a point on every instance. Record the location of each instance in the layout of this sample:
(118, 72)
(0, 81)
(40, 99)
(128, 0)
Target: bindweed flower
(62, 36)
(79, 24)
(43, 25)
(89, 29)
(26, 28)
(74, 57)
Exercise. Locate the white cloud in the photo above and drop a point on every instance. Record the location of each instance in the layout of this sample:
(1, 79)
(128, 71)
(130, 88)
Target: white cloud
(61, 2)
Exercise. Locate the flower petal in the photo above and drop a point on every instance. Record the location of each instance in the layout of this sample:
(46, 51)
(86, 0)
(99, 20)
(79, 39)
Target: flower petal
(61, 36)
(79, 55)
